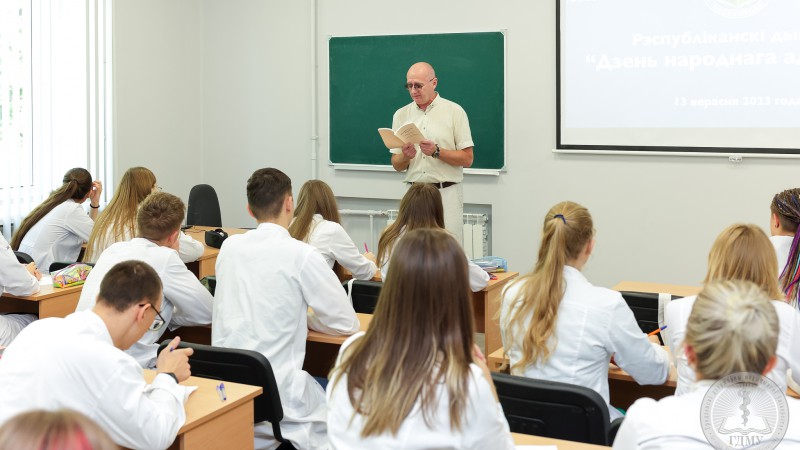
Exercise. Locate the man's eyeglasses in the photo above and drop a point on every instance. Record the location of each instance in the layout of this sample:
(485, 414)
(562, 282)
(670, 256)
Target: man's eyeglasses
(158, 322)
(417, 86)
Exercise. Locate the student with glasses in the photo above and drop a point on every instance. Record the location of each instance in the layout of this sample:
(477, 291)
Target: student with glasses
(439, 159)
(186, 301)
(78, 363)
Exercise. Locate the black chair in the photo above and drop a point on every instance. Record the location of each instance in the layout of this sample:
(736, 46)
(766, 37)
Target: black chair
(245, 367)
(23, 257)
(203, 207)
(365, 295)
(553, 409)
(645, 309)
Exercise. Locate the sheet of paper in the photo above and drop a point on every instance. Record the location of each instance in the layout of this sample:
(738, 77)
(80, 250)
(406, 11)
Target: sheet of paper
(46, 280)
(536, 447)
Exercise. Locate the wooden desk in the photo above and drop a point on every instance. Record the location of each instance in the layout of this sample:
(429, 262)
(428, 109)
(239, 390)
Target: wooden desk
(212, 423)
(204, 266)
(48, 302)
(322, 349)
(527, 439)
(656, 288)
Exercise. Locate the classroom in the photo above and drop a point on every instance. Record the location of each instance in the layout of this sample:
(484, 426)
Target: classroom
(206, 92)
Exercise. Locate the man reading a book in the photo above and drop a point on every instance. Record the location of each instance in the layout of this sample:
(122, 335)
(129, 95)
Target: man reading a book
(447, 148)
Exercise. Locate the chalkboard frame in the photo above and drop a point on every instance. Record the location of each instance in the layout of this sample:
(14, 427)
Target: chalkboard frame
(348, 83)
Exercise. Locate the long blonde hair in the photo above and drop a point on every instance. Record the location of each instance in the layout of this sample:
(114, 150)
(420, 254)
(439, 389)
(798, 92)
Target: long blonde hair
(118, 220)
(744, 252)
(77, 183)
(420, 207)
(568, 229)
(732, 328)
(420, 338)
(315, 197)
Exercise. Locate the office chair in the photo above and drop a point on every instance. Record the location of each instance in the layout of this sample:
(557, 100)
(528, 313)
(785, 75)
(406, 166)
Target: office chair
(553, 409)
(645, 309)
(23, 258)
(203, 207)
(365, 294)
(245, 367)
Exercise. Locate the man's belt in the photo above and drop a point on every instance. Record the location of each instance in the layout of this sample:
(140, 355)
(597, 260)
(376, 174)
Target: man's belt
(442, 185)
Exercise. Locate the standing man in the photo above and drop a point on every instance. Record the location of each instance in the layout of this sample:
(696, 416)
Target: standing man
(447, 149)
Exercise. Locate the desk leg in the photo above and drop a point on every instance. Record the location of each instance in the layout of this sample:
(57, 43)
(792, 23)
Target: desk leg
(233, 429)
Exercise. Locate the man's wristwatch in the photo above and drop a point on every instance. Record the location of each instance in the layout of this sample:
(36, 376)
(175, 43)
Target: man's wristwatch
(436, 153)
(174, 377)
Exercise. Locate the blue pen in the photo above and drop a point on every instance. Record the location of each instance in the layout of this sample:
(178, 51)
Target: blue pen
(221, 392)
(656, 331)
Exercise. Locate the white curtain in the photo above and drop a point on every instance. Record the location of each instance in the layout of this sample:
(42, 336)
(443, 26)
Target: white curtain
(54, 99)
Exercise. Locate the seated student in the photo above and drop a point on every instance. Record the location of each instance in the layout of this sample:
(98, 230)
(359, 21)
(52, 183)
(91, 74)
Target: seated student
(557, 326)
(784, 222)
(740, 252)
(63, 429)
(316, 221)
(731, 329)
(186, 301)
(421, 207)
(15, 279)
(77, 362)
(117, 222)
(266, 282)
(416, 379)
(56, 229)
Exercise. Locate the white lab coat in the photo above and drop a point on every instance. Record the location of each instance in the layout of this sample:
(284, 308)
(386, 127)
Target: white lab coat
(186, 302)
(15, 280)
(676, 316)
(478, 278)
(72, 363)
(58, 236)
(782, 244)
(674, 423)
(593, 323)
(334, 244)
(483, 425)
(189, 249)
(266, 281)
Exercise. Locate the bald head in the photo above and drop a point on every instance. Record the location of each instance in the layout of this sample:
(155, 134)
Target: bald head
(423, 77)
(421, 70)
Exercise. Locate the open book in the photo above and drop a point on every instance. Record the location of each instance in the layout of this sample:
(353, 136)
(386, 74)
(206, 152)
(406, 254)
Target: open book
(408, 133)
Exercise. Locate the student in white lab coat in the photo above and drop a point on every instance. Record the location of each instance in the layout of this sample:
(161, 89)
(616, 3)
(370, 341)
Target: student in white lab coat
(56, 229)
(421, 207)
(740, 252)
(784, 221)
(266, 283)
(77, 362)
(731, 329)
(117, 222)
(316, 221)
(186, 301)
(557, 326)
(15, 279)
(416, 379)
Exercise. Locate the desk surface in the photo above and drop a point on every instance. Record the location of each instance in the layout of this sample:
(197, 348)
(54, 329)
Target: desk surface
(527, 439)
(47, 292)
(674, 289)
(198, 232)
(316, 336)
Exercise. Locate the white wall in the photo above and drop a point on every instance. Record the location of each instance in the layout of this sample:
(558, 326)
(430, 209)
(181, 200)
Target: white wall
(656, 217)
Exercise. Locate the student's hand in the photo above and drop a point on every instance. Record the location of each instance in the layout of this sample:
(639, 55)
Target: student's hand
(480, 360)
(654, 339)
(94, 194)
(427, 147)
(370, 256)
(175, 360)
(31, 267)
(409, 151)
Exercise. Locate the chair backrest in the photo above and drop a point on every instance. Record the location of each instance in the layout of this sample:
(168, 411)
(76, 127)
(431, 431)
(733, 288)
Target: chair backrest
(645, 309)
(553, 409)
(203, 207)
(365, 295)
(23, 258)
(239, 366)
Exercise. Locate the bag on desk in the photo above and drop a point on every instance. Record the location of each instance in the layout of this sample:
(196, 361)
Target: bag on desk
(72, 275)
(215, 238)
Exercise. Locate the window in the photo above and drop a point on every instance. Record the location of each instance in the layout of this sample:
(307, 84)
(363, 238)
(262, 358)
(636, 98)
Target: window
(55, 102)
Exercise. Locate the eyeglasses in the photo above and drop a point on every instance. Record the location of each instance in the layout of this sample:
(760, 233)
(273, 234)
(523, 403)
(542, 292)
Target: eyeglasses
(417, 86)
(158, 322)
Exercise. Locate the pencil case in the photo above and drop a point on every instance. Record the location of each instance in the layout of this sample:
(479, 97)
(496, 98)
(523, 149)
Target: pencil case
(72, 275)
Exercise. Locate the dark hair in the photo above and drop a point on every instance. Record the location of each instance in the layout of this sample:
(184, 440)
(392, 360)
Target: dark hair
(786, 205)
(159, 215)
(77, 183)
(266, 189)
(129, 283)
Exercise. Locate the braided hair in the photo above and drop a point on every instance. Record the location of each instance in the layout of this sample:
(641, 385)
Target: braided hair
(786, 206)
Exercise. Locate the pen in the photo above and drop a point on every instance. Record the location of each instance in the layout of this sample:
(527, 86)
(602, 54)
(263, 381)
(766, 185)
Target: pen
(221, 392)
(365, 247)
(656, 331)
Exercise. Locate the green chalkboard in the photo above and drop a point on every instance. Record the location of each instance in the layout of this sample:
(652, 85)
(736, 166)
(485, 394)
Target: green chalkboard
(367, 74)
